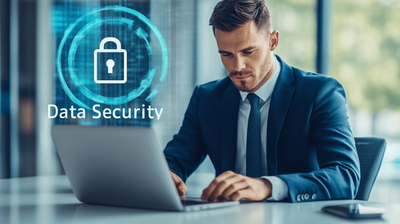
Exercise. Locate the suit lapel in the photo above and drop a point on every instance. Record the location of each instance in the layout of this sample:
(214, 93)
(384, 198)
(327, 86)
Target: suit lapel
(229, 120)
(280, 102)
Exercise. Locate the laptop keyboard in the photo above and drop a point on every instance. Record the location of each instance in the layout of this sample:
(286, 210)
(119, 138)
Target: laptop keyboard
(197, 202)
(187, 202)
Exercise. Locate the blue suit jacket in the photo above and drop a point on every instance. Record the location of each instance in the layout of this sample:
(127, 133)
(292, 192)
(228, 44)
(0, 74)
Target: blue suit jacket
(309, 143)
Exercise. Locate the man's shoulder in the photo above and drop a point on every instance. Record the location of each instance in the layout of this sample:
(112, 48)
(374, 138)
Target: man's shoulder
(312, 86)
(214, 88)
(302, 78)
(312, 80)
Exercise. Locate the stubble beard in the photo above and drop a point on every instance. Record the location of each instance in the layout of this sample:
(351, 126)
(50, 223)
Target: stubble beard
(265, 67)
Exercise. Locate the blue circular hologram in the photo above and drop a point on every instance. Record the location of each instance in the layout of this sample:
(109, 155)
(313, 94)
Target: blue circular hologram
(144, 84)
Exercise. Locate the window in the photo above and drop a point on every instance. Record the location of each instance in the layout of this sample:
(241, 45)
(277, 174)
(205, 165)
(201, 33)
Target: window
(295, 21)
(365, 59)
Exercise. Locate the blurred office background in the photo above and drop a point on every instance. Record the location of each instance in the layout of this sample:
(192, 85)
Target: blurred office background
(357, 42)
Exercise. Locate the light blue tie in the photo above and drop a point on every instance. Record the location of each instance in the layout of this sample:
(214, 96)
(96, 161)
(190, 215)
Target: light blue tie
(253, 146)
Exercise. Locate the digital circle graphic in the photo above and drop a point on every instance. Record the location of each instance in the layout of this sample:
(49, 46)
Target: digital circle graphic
(80, 85)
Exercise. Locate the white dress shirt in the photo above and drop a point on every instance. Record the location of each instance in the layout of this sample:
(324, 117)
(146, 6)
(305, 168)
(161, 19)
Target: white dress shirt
(279, 187)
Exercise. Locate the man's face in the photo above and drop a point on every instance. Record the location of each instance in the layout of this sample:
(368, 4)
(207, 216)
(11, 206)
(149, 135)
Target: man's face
(247, 54)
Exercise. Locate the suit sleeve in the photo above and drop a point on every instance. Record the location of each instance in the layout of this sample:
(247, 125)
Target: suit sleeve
(330, 133)
(186, 150)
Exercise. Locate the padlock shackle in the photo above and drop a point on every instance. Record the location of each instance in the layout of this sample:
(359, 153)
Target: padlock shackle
(110, 39)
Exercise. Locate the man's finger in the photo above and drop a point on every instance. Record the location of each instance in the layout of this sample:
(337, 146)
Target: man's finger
(175, 177)
(181, 187)
(223, 185)
(207, 191)
(240, 194)
(234, 188)
(179, 184)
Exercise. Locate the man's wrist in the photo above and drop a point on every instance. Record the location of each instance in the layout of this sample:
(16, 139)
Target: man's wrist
(279, 189)
(269, 187)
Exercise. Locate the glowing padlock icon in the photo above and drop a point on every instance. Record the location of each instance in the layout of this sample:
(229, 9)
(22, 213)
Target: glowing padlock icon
(110, 62)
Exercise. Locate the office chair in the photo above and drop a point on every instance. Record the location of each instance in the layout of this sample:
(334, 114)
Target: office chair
(370, 152)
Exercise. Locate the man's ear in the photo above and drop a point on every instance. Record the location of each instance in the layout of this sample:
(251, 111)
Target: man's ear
(273, 40)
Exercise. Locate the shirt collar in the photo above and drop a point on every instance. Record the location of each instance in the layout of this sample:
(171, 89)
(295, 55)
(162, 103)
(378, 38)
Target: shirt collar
(265, 91)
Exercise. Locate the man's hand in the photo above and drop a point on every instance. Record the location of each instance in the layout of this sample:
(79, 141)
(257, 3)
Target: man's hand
(179, 184)
(236, 186)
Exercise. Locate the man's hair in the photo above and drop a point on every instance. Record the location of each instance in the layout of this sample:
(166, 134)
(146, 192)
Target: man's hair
(228, 15)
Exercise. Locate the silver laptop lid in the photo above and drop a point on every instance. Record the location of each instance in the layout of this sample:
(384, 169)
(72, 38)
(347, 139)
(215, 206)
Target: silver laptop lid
(122, 166)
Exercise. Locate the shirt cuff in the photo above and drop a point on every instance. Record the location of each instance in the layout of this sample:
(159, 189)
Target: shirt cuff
(279, 188)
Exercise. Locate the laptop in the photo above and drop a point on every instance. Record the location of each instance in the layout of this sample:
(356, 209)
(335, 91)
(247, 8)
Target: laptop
(121, 166)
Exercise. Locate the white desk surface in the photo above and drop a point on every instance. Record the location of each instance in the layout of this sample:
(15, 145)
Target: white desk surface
(50, 200)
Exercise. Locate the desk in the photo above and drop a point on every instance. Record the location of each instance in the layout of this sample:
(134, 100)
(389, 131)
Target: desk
(50, 200)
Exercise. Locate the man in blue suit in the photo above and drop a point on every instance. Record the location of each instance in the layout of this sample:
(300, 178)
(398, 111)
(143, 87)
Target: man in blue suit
(272, 131)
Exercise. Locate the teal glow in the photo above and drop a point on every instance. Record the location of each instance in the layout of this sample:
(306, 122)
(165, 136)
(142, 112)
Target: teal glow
(152, 95)
(144, 84)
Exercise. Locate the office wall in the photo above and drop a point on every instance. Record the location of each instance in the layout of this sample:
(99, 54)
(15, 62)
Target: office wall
(18, 72)
(4, 89)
